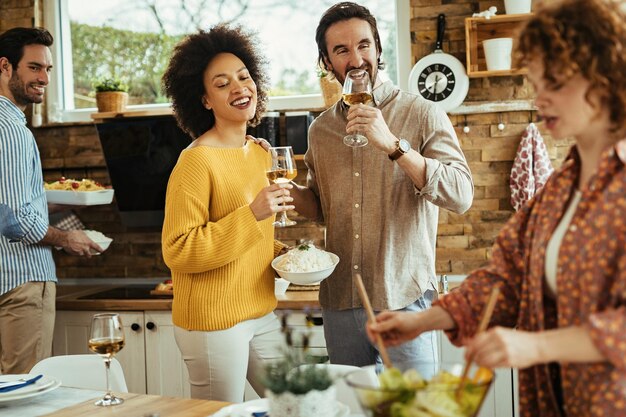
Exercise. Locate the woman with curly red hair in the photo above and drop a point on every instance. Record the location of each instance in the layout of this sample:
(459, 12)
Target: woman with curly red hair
(560, 262)
(218, 237)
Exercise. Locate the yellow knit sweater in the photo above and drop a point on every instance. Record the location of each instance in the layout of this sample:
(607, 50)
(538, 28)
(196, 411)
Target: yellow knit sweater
(219, 254)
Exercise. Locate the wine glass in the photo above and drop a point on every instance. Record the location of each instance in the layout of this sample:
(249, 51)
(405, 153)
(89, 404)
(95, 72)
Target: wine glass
(357, 88)
(106, 339)
(283, 169)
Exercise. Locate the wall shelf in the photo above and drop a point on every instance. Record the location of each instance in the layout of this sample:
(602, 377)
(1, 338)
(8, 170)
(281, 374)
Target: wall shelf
(477, 29)
(479, 107)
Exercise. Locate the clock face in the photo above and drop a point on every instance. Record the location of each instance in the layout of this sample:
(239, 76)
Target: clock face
(440, 78)
(436, 82)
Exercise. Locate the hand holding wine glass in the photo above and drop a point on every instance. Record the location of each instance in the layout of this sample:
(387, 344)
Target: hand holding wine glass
(357, 88)
(106, 339)
(282, 170)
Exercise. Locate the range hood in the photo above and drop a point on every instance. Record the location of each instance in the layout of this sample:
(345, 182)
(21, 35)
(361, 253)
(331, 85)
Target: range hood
(140, 154)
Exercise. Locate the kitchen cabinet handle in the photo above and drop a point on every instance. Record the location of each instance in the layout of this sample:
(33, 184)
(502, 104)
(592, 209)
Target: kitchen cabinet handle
(134, 327)
(317, 321)
(150, 325)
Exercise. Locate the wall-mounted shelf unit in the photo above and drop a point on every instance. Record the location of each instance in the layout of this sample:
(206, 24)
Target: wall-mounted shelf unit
(477, 29)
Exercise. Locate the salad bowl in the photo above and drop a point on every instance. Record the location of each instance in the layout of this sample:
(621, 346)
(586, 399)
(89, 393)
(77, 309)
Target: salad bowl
(392, 393)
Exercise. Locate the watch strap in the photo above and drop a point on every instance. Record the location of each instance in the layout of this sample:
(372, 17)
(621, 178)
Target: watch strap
(396, 154)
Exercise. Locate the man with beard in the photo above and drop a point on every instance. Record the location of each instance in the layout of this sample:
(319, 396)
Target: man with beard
(27, 272)
(380, 202)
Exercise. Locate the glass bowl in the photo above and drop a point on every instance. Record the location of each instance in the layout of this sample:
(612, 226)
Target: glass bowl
(306, 278)
(434, 396)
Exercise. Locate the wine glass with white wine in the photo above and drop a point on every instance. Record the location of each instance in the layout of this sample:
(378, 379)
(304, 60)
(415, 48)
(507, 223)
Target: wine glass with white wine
(357, 88)
(282, 170)
(106, 339)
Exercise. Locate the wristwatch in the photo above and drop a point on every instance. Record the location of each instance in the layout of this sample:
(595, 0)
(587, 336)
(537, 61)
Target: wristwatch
(402, 146)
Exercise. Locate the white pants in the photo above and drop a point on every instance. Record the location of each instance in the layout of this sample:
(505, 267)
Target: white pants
(219, 361)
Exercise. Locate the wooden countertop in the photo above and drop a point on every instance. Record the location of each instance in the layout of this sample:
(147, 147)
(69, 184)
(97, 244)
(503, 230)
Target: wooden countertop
(68, 298)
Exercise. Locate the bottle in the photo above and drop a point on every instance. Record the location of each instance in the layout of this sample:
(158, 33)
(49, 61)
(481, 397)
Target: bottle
(443, 284)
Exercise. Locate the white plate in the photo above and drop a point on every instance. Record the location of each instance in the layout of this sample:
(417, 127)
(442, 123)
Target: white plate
(99, 238)
(247, 408)
(43, 385)
(80, 198)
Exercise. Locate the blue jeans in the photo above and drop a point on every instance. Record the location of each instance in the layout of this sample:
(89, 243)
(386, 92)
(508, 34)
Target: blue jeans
(347, 342)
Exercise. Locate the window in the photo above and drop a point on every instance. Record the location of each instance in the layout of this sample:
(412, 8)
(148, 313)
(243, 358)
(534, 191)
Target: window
(133, 41)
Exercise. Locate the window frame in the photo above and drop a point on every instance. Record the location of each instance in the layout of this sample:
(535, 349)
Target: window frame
(61, 87)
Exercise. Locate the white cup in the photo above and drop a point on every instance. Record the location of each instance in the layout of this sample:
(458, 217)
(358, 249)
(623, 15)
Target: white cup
(517, 6)
(498, 53)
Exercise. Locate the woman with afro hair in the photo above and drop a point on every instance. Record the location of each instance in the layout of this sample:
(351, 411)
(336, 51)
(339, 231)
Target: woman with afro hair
(218, 237)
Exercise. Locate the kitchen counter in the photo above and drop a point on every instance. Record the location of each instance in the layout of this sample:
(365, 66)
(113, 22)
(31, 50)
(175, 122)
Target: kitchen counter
(137, 298)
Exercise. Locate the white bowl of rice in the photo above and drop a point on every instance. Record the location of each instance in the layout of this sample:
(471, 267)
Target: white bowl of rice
(305, 265)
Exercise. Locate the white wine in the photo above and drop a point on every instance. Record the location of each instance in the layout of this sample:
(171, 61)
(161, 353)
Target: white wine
(282, 175)
(357, 98)
(106, 345)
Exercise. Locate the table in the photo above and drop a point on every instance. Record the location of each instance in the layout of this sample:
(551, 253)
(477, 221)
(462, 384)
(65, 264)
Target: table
(75, 402)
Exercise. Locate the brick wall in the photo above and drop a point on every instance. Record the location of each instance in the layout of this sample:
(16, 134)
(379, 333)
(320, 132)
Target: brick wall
(464, 241)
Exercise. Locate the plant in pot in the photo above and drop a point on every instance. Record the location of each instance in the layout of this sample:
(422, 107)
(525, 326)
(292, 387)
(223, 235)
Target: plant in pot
(296, 385)
(331, 88)
(111, 95)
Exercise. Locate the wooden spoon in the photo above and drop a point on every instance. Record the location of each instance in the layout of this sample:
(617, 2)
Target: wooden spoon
(482, 326)
(372, 318)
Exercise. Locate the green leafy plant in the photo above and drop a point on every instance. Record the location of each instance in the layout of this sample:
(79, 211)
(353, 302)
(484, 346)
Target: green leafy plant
(289, 374)
(109, 84)
(321, 72)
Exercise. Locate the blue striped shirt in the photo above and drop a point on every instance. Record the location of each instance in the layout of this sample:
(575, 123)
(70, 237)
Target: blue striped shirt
(23, 205)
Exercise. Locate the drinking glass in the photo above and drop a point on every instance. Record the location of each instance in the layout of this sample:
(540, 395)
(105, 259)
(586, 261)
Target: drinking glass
(106, 339)
(282, 169)
(357, 88)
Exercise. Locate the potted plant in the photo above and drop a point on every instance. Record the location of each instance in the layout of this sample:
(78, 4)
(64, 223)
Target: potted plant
(296, 385)
(331, 89)
(111, 95)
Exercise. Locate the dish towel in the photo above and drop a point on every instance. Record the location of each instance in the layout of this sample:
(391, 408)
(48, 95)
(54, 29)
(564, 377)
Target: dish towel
(13, 385)
(531, 167)
(66, 220)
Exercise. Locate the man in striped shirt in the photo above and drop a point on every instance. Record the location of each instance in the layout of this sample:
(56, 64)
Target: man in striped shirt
(27, 272)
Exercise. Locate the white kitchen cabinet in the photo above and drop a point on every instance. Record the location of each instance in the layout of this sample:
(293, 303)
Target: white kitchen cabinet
(500, 399)
(150, 358)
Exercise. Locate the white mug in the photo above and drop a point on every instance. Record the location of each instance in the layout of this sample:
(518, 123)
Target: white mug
(498, 53)
(517, 6)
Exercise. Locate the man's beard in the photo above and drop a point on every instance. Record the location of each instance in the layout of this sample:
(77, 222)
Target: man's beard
(18, 89)
(373, 73)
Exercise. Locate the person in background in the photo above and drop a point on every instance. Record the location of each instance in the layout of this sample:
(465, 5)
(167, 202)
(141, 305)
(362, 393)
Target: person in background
(380, 202)
(27, 271)
(560, 261)
(218, 237)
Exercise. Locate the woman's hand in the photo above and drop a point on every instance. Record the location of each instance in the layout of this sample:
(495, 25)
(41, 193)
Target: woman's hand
(395, 327)
(270, 200)
(500, 347)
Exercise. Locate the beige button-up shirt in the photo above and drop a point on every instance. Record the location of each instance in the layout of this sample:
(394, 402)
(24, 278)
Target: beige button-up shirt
(378, 223)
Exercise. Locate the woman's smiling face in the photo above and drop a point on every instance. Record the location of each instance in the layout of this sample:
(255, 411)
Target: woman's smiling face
(229, 90)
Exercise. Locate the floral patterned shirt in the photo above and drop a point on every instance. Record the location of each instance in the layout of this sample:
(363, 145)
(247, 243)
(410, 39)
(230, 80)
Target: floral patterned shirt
(591, 282)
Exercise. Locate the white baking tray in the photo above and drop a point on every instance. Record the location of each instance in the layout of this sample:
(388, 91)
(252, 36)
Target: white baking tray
(80, 198)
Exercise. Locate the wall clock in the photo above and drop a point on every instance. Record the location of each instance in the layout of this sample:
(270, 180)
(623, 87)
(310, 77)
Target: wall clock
(439, 76)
